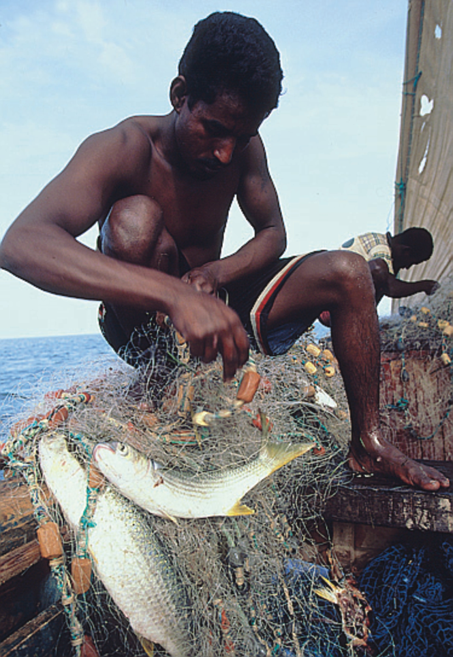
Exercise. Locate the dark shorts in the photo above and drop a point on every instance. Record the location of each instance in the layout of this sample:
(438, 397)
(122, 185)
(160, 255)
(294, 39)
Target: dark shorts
(252, 298)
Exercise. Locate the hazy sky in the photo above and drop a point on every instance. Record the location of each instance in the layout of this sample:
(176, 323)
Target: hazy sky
(69, 68)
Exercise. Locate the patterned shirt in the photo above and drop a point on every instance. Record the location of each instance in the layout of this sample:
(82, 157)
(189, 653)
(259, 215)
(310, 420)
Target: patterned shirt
(371, 246)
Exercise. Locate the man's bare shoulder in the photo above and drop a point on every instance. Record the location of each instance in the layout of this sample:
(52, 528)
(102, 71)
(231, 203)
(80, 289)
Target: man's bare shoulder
(129, 143)
(131, 134)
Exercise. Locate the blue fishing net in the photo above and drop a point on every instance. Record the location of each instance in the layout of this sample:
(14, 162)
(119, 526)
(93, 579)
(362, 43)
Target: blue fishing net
(316, 622)
(410, 590)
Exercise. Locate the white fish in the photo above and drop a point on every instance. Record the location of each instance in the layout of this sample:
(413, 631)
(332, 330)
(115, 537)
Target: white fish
(180, 494)
(126, 553)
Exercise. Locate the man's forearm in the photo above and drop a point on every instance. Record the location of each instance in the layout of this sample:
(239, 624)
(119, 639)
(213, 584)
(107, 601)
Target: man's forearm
(266, 247)
(52, 260)
(398, 289)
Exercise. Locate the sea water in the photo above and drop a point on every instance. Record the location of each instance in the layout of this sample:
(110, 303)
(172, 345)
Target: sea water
(30, 367)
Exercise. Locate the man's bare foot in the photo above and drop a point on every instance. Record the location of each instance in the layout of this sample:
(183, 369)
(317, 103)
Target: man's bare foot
(377, 455)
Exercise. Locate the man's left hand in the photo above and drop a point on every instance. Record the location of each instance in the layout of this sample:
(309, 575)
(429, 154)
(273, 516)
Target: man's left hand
(203, 279)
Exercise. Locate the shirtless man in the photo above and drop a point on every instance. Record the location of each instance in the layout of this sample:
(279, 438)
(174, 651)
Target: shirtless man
(161, 188)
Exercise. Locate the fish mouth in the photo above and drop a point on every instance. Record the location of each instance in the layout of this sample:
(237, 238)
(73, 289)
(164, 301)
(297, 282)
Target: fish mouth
(110, 447)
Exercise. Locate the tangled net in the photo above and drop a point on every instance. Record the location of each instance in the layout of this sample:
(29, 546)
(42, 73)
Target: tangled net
(255, 584)
(251, 581)
(411, 591)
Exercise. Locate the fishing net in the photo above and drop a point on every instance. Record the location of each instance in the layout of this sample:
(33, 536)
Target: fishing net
(253, 584)
(251, 581)
(410, 589)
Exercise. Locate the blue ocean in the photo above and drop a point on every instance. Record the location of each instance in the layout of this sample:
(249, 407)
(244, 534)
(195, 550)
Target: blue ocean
(29, 367)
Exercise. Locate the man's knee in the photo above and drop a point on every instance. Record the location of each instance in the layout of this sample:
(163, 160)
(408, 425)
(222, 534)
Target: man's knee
(348, 267)
(349, 270)
(132, 229)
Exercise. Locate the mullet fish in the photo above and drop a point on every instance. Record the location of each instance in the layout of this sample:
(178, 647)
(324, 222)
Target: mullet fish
(125, 551)
(180, 494)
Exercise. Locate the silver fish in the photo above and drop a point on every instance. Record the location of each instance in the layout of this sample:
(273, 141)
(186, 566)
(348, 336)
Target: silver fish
(181, 494)
(127, 555)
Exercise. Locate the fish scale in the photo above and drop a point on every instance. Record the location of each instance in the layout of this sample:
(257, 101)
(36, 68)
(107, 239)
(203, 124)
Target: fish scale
(127, 554)
(181, 494)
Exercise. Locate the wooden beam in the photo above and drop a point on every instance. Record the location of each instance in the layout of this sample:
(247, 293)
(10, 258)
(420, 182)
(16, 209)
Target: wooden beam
(39, 637)
(15, 562)
(17, 523)
(379, 502)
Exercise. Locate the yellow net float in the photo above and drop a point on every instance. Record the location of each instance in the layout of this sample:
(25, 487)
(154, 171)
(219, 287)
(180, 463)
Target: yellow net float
(328, 355)
(310, 367)
(313, 350)
(445, 358)
(448, 331)
(329, 371)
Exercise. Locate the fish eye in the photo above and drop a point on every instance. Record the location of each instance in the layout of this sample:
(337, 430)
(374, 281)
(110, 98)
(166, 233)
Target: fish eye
(122, 449)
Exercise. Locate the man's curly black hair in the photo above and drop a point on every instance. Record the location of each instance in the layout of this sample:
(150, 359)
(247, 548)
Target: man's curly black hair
(229, 52)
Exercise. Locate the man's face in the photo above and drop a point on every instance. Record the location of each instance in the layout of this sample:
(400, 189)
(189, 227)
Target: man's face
(209, 137)
(406, 258)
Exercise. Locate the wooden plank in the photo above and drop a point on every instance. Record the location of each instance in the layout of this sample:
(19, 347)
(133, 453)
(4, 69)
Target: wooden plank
(17, 523)
(40, 637)
(15, 562)
(421, 426)
(23, 596)
(378, 501)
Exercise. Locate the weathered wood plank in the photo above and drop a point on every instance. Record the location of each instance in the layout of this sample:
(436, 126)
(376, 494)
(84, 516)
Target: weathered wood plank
(25, 595)
(40, 637)
(379, 502)
(416, 412)
(17, 524)
(15, 562)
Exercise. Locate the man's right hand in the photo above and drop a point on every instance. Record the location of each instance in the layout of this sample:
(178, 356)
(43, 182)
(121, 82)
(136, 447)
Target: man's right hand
(210, 327)
(430, 287)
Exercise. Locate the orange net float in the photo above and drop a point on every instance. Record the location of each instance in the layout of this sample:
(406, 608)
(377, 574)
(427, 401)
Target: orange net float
(95, 477)
(81, 574)
(88, 649)
(248, 387)
(49, 540)
(54, 394)
(56, 417)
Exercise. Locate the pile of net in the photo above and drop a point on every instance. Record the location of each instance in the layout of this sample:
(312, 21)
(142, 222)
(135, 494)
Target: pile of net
(410, 589)
(246, 584)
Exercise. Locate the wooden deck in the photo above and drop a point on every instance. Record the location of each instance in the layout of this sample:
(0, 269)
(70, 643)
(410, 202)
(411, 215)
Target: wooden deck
(376, 501)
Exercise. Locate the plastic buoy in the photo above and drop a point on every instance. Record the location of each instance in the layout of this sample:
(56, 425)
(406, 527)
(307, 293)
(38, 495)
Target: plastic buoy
(81, 574)
(249, 385)
(49, 540)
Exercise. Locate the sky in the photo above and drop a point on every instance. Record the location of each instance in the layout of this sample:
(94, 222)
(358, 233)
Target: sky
(69, 68)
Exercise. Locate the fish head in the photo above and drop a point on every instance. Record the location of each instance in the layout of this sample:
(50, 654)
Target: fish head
(119, 462)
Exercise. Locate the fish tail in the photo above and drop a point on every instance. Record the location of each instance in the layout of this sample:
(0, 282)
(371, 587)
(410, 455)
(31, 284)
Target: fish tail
(280, 453)
(147, 645)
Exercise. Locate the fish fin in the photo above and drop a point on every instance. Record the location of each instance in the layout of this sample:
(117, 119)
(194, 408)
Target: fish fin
(239, 509)
(281, 453)
(168, 516)
(333, 586)
(327, 594)
(147, 645)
